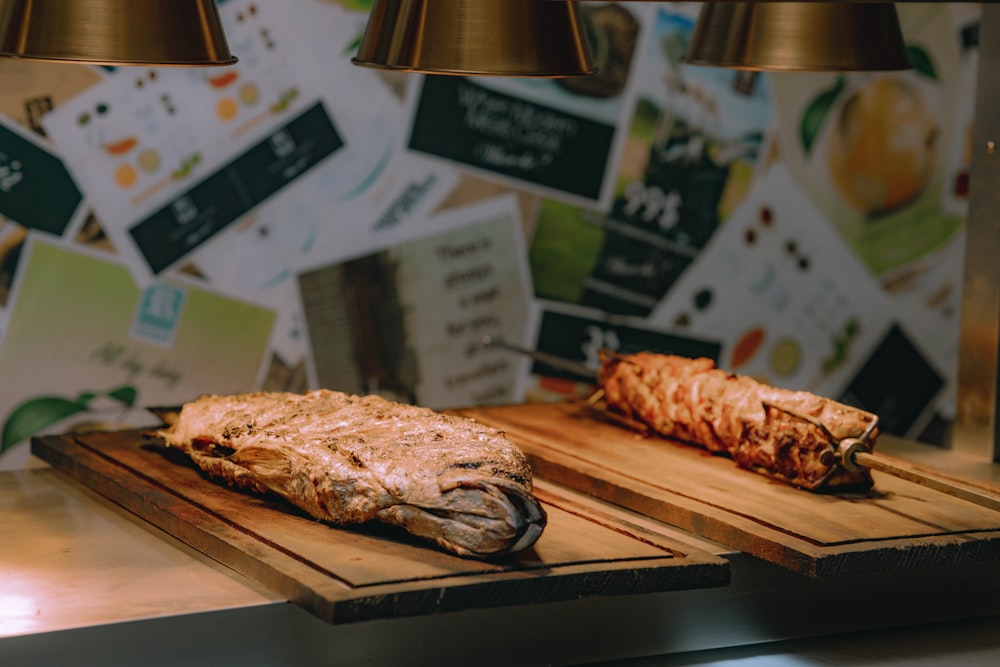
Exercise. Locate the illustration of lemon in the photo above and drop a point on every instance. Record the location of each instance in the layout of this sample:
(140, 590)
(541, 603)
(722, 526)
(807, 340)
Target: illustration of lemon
(149, 160)
(786, 355)
(249, 93)
(881, 151)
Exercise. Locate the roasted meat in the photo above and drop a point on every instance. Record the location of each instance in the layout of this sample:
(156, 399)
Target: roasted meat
(784, 434)
(351, 459)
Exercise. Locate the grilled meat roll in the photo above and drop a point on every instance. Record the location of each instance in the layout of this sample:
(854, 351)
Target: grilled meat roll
(784, 434)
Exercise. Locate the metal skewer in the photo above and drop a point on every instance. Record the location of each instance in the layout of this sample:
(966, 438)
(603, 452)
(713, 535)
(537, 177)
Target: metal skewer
(555, 361)
(576, 368)
(862, 456)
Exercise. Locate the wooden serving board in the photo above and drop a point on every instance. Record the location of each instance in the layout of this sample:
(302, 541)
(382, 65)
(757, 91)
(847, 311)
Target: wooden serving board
(898, 524)
(345, 575)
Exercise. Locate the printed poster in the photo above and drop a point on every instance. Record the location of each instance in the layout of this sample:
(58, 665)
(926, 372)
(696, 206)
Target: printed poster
(372, 194)
(33, 88)
(85, 345)
(794, 307)
(407, 322)
(36, 189)
(691, 149)
(580, 335)
(870, 148)
(375, 181)
(789, 301)
(556, 136)
(259, 257)
(50, 200)
(37, 192)
(172, 156)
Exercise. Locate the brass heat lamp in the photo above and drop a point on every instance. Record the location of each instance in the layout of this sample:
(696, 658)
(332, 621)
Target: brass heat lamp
(517, 38)
(114, 32)
(798, 36)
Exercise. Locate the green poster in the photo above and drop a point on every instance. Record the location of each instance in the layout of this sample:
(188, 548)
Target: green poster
(84, 342)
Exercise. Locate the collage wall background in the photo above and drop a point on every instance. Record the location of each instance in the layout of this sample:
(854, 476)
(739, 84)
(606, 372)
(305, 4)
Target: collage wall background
(295, 221)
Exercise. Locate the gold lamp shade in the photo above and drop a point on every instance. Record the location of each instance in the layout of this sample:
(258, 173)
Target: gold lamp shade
(798, 36)
(520, 38)
(115, 32)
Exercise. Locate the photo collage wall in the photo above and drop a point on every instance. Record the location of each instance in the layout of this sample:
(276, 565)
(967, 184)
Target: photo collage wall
(294, 221)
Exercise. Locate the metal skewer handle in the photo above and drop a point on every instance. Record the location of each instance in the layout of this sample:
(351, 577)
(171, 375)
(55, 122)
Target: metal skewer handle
(855, 453)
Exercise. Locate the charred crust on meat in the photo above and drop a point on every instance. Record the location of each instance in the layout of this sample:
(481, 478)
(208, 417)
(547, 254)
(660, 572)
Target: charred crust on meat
(209, 447)
(466, 465)
(235, 431)
(520, 479)
(497, 471)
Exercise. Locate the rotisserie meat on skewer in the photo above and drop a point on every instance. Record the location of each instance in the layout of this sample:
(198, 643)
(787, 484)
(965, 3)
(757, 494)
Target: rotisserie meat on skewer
(351, 459)
(788, 435)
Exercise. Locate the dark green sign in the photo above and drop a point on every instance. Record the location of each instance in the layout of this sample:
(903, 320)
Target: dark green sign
(468, 123)
(36, 190)
(226, 195)
(580, 339)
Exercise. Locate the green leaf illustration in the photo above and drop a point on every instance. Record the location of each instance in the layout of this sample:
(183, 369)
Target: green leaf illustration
(284, 100)
(841, 346)
(815, 113)
(352, 46)
(187, 164)
(125, 394)
(37, 414)
(921, 61)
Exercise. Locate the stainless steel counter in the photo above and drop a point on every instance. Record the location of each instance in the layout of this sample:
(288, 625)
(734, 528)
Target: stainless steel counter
(82, 582)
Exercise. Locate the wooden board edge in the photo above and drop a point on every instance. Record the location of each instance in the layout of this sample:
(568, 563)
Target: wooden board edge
(573, 583)
(741, 533)
(335, 604)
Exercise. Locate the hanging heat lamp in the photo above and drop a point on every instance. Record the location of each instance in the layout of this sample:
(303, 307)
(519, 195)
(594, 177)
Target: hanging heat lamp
(798, 36)
(518, 38)
(114, 32)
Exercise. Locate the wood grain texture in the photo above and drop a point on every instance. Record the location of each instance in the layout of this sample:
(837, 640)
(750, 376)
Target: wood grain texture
(346, 575)
(898, 524)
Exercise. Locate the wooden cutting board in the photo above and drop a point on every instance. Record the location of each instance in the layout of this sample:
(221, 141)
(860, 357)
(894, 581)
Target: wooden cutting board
(897, 525)
(345, 575)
